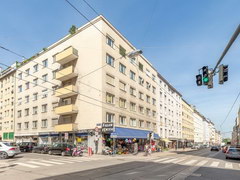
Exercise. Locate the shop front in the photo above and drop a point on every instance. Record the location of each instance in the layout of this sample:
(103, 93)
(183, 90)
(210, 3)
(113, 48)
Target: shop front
(19, 138)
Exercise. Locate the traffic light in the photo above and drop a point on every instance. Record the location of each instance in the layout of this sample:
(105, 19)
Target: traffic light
(199, 79)
(205, 75)
(223, 73)
(210, 82)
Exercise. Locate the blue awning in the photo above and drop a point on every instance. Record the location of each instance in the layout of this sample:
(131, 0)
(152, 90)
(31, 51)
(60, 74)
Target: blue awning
(131, 133)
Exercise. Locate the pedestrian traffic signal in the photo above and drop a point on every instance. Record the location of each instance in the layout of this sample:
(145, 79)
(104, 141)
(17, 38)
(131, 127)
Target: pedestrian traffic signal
(210, 82)
(223, 73)
(199, 79)
(205, 75)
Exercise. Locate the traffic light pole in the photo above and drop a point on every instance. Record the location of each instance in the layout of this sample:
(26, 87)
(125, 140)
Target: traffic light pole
(234, 37)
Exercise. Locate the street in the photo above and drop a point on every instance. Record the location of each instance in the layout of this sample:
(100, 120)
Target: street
(200, 164)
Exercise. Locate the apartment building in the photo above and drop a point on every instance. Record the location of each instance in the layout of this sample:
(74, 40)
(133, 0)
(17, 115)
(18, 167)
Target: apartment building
(187, 123)
(212, 132)
(170, 114)
(206, 131)
(7, 103)
(84, 80)
(198, 127)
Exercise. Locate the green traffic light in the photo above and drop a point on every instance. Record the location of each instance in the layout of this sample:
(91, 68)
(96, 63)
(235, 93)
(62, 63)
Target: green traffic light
(205, 79)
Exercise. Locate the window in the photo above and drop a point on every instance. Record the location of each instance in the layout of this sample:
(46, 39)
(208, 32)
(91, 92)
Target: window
(110, 117)
(153, 77)
(154, 126)
(45, 63)
(54, 88)
(26, 125)
(19, 126)
(110, 41)
(27, 112)
(148, 99)
(54, 122)
(20, 88)
(109, 98)
(34, 124)
(122, 86)
(148, 85)
(132, 75)
(122, 68)
(35, 96)
(35, 82)
(35, 68)
(44, 93)
(122, 120)
(44, 123)
(140, 80)
(19, 114)
(122, 103)
(110, 60)
(141, 95)
(44, 108)
(35, 110)
(133, 61)
(148, 73)
(27, 72)
(141, 123)
(140, 66)
(148, 112)
(132, 91)
(122, 51)
(54, 74)
(133, 122)
(154, 90)
(132, 106)
(20, 76)
(141, 109)
(26, 99)
(45, 78)
(27, 85)
(148, 124)
(154, 113)
(54, 105)
(154, 101)
(19, 101)
(110, 79)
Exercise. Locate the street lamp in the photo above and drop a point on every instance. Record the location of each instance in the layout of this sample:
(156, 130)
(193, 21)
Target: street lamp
(134, 53)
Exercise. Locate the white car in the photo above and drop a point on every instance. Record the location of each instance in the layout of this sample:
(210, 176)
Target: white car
(8, 149)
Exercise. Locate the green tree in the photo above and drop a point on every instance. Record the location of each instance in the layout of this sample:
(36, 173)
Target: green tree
(73, 29)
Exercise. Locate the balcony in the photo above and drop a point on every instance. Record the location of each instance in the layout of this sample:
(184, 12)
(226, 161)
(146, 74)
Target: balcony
(66, 73)
(66, 109)
(66, 91)
(65, 127)
(66, 55)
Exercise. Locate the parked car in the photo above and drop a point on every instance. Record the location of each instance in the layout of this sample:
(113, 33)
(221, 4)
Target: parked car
(61, 149)
(214, 148)
(224, 149)
(41, 148)
(26, 146)
(8, 149)
(233, 153)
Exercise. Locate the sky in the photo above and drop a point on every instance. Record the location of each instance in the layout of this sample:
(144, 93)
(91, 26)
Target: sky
(177, 37)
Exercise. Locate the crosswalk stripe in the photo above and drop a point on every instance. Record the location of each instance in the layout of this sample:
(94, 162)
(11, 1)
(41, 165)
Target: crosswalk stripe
(26, 165)
(171, 160)
(61, 161)
(190, 162)
(228, 165)
(158, 160)
(178, 161)
(201, 163)
(39, 163)
(51, 162)
(73, 160)
(214, 164)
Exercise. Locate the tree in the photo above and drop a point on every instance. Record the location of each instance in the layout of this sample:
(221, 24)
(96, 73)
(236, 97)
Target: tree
(73, 29)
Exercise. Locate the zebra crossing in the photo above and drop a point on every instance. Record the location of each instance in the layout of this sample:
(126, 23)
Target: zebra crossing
(38, 163)
(198, 162)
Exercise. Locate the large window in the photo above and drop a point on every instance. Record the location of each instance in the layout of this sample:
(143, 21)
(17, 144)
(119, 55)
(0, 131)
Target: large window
(141, 123)
(122, 120)
(27, 112)
(35, 110)
(27, 85)
(34, 124)
(110, 79)
(35, 68)
(122, 86)
(110, 41)
(44, 108)
(132, 75)
(141, 96)
(109, 98)
(35, 96)
(45, 78)
(133, 122)
(140, 80)
(44, 123)
(26, 125)
(35, 82)
(45, 63)
(122, 68)
(141, 109)
(132, 91)
(110, 60)
(132, 106)
(20, 88)
(110, 117)
(122, 103)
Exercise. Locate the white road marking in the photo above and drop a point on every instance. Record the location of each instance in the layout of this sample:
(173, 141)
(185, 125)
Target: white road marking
(39, 163)
(171, 160)
(228, 165)
(214, 164)
(51, 162)
(132, 173)
(26, 165)
(201, 163)
(190, 162)
(158, 160)
(61, 161)
(180, 160)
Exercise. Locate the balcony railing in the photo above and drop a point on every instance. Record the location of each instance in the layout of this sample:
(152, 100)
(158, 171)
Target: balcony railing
(65, 127)
(66, 109)
(66, 55)
(66, 73)
(66, 91)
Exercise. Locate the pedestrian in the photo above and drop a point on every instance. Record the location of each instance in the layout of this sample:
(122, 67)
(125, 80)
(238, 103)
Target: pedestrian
(146, 149)
(184, 147)
(135, 148)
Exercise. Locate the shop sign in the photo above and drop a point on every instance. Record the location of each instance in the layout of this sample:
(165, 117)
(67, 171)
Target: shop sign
(107, 130)
(107, 125)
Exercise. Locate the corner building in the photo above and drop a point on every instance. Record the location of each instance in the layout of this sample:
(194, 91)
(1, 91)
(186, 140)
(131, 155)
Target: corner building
(82, 81)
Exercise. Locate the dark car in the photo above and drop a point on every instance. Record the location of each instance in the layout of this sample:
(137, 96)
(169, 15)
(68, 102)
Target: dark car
(41, 148)
(214, 148)
(61, 149)
(26, 146)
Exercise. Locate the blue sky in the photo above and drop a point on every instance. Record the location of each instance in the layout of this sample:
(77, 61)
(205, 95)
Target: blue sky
(178, 37)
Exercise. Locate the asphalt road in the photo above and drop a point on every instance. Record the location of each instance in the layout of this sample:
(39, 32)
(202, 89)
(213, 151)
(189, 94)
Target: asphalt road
(202, 164)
